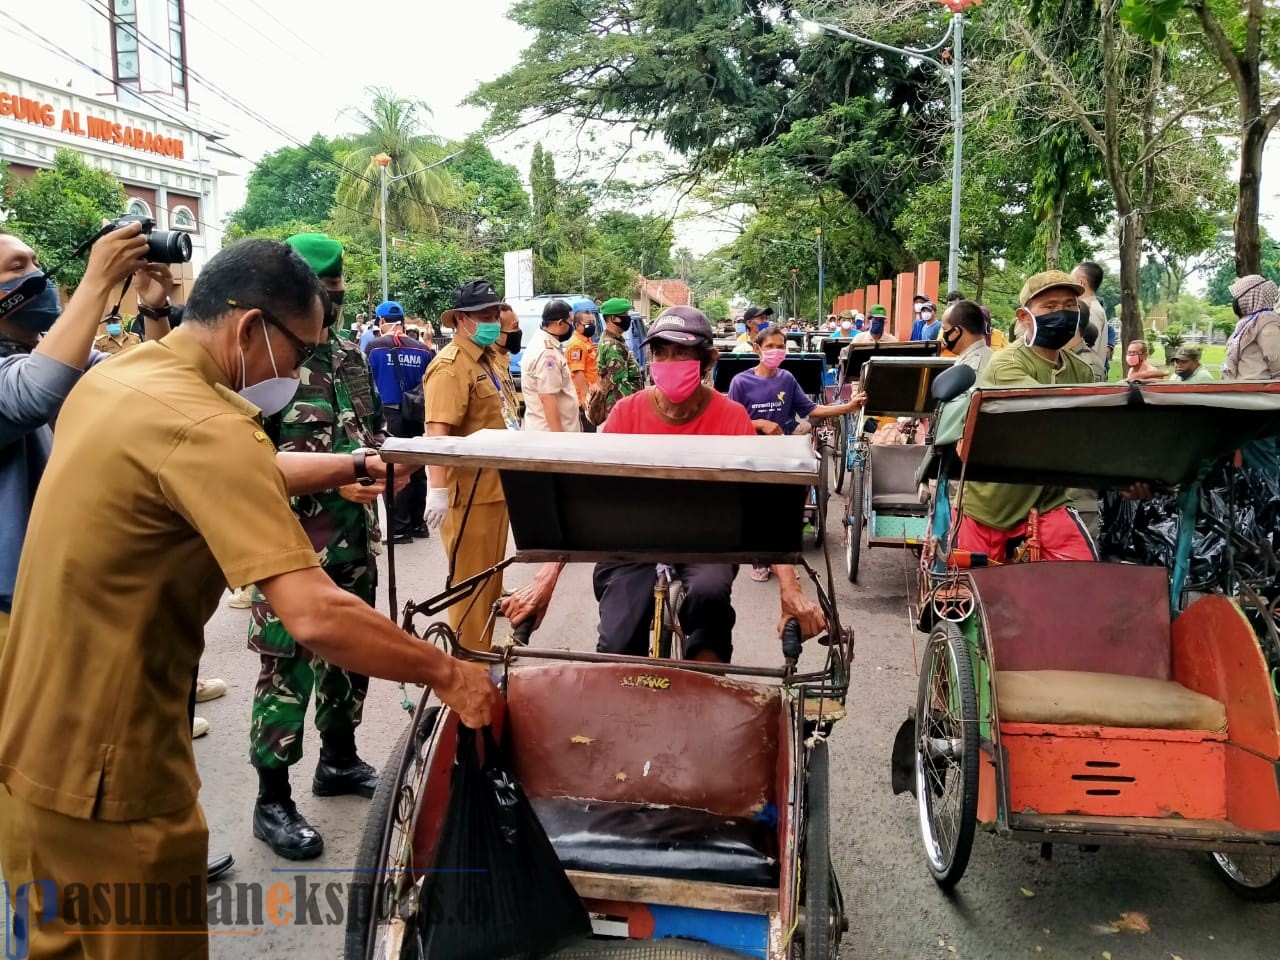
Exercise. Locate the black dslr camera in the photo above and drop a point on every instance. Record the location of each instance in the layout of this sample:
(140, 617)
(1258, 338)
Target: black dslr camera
(163, 246)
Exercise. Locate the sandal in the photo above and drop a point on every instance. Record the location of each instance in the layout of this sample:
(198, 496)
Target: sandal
(761, 574)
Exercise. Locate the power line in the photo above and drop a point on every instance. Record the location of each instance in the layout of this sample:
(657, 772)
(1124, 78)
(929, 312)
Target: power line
(271, 16)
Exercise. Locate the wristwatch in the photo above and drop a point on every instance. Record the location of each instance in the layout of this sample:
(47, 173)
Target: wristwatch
(362, 471)
(155, 313)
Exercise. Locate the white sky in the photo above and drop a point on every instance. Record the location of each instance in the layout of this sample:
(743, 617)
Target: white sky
(300, 70)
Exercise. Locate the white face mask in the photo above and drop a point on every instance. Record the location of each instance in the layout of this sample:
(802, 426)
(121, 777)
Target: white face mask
(271, 395)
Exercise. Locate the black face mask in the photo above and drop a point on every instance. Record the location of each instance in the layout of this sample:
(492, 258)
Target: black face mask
(1183, 374)
(514, 341)
(622, 323)
(1054, 331)
(588, 330)
(562, 337)
(952, 337)
(336, 299)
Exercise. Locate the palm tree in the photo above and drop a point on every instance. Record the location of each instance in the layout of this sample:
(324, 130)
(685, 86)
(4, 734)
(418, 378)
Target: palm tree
(395, 127)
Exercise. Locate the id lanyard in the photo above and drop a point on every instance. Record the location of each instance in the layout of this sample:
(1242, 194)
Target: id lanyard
(510, 410)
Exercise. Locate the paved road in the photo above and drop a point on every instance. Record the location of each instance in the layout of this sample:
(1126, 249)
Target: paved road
(1011, 904)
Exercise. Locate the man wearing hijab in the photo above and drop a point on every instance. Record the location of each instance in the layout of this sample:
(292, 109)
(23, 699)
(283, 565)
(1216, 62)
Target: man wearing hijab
(1253, 352)
(335, 410)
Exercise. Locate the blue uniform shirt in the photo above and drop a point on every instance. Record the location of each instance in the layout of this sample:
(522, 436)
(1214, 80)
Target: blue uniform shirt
(414, 357)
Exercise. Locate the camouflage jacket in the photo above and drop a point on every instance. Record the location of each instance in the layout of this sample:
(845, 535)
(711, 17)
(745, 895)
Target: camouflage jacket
(336, 410)
(618, 369)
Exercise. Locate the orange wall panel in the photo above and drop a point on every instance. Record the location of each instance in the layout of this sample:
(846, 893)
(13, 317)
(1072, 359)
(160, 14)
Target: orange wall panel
(902, 314)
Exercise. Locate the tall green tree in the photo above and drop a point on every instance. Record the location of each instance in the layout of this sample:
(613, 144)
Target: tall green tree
(1244, 37)
(54, 211)
(395, 127)
(291, 185)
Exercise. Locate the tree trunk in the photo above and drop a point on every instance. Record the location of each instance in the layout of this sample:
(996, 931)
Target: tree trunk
(1247, 233)
(1053, 247)
(1130, 264)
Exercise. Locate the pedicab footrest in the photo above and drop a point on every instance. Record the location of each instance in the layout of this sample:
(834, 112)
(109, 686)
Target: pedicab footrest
(671, 842)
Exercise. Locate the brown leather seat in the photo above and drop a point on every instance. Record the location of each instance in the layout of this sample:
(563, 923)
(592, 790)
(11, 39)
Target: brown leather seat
(893, 477)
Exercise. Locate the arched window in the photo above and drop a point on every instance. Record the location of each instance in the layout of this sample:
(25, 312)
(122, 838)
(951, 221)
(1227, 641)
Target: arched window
(138, 208)
(182, 219)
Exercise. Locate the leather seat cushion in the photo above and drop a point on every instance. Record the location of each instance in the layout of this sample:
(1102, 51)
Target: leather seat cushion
(1104, 699)
(672, 842)
(897, 501)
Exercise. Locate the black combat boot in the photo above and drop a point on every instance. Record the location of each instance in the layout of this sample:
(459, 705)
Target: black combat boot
(277, 821)
(340, 770)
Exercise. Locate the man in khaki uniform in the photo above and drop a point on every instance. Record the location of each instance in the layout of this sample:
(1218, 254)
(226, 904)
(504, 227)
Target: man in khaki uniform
(96, 762)
(550, 398)
(112, 338)
(463, 393)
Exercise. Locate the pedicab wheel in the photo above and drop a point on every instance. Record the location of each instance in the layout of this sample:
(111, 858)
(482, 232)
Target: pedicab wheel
(362, 911)
(853, 525)
(947, 755)
(841, 451)
(822, 494)
(1253, 876)
(823, 921)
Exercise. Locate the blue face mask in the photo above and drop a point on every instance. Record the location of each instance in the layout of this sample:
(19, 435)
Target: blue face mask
(38, 314)
(740, 327)
(487, 333)
(877, 327)
(114, 329)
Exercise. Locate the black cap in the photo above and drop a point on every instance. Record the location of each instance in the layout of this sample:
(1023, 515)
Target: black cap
(685, 325)
(753, 312)
(475, 295)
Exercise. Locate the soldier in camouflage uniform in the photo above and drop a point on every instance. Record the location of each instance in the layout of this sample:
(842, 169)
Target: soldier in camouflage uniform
(619, 373)
(336, 410)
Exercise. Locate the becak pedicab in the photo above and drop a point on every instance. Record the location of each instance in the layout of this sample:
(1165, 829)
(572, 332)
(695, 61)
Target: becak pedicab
(1092, 703)
(688, 801)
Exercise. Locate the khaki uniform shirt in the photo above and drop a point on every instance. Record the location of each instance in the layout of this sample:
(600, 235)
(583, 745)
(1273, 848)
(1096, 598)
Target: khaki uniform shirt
(162, 490)
(112, 345)
(544, 370)
(1096, 356)
(1253, 352)
(462, 388)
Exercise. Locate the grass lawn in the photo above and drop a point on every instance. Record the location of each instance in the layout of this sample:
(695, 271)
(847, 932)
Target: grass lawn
(1211, 356)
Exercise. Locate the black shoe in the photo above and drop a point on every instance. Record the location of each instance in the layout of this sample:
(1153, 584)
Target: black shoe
(400, 538)
(286, 831)
(219, 864)
(422, 532)
(333, 780)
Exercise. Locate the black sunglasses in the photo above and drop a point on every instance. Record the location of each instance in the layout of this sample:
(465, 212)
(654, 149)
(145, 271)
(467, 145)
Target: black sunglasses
(302, 351)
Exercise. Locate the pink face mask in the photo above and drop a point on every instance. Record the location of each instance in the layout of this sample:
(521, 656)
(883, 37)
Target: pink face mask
(677, 379)
(773, 357)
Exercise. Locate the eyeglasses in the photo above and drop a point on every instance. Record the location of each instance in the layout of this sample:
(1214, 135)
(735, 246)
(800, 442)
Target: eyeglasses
(302, 351)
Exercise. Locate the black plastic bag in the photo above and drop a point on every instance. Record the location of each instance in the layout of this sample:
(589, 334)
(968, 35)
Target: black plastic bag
(497, 890)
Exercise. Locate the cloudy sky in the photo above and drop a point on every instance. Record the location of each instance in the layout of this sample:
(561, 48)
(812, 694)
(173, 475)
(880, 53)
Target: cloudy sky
(301, 71)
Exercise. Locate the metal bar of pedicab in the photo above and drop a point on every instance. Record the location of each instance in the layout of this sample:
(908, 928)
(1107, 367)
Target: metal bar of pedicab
(391, 538)
(696, 666)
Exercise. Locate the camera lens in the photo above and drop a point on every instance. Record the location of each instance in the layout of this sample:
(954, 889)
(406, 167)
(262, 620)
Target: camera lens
(168, 246)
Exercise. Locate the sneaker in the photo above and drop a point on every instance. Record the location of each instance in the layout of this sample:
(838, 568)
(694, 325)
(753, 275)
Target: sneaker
(199, 727)
(210, 690)
(241, 599)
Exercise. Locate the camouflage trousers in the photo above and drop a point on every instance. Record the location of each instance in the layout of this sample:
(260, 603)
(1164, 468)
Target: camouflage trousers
(291, 673)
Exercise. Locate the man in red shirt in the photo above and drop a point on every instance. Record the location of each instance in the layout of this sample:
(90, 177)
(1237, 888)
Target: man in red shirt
(681, 355)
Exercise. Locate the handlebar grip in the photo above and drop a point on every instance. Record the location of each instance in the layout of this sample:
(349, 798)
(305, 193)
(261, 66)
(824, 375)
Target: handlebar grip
(792, 641)
(522, 631)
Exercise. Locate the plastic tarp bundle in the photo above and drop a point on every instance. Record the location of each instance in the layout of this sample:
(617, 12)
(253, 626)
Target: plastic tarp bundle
(497, 891)
(1246, 499)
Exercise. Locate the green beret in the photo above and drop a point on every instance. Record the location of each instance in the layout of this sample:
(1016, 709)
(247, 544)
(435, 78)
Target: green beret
(323, 254)
(615, 307)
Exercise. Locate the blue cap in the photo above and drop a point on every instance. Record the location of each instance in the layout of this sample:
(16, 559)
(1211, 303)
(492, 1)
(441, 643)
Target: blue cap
(584, 305)
(389, 310)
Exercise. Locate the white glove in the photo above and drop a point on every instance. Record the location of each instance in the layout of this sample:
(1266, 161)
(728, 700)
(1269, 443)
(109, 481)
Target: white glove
(437, 506)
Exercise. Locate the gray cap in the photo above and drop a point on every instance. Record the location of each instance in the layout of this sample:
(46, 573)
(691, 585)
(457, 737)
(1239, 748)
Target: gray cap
(681, 325)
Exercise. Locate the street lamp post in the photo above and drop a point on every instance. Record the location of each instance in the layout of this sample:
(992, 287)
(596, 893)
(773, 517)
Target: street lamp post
(954, 36)
(382, 160)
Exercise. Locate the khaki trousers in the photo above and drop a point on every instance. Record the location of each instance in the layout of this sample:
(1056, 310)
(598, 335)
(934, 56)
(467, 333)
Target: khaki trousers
(124, 891)
(483, 545)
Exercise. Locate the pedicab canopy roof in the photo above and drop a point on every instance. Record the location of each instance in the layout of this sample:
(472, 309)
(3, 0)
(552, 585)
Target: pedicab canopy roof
(860, 353)
(900, 386)
(806, 368)
(1111, 436)
(601, 496)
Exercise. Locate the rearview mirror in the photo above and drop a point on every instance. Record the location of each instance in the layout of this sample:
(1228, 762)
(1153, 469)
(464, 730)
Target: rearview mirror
(953, 382)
